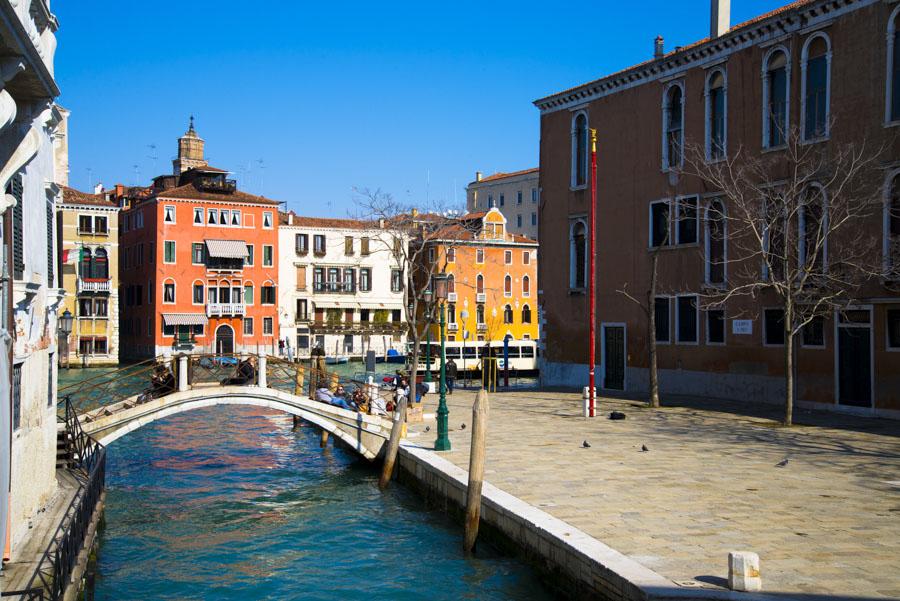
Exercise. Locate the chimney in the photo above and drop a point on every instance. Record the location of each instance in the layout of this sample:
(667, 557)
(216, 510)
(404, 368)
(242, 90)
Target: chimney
(719, 18)
(658, 49)
(291, 218)
(478, 176)
(98, 189)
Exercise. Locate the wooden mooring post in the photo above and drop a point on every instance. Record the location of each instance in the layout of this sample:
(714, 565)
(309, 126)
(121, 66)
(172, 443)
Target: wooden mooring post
(480, 412)
(390, 456)
(323, 441)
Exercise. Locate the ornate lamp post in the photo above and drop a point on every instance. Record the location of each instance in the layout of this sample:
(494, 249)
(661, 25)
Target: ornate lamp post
(65, 328)
(443, 440)
(464, 315)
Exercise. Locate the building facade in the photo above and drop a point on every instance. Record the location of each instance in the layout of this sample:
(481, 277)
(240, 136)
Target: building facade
(517, 195)
(198, 266)
(29, 292)
(88, 233)
(340, 288)
(824, 70)
(492, 279)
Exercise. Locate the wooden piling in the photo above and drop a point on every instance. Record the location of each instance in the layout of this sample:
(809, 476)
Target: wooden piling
(298, 380)
(480, 412)
(298, 422)
(323, 441)
(390, 456)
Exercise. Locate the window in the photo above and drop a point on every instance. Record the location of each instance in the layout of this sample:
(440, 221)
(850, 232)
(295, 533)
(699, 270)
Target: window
(223, 216)
(451, 255)
(212, 216)
(479, 314)
(519, 197)
(267, 326)
(534, 195)
(893, 329)
(507, 314)
(892, 87)
(17, 396)
(773, 327)
(502, 200)
(479, 255)
(349, 279)
(100, 265)
(396, 280)
(892, 228)
(197, 253)
(168, 214)
(268, 255)
(686, 319)
(661, 314)
(235, 218)
(364, 246)
(518, 221)
(267, 294)
(18, 222)
(816, 72)
(301, 243)
(686, 218)
(85, 224)
(431, 254)
(479, 284)
(319, 244)
(526, 257)
(578, 255)
(526, 286)
(152, 253)
(249, 260)
(507, 257)
(248, 326)
(579, 150)
(198, 294)
(534, 219)
(715, 243)
(507, 286)
(101, 225)
(716, 121)
(248, 294)
(673, 126)
(365, 279)
(715, 326)
(490, 201)
(659, 223)
(395, 316)
(812, 239)
(267, 220)
(814, 332)
(169, 251)
(776, 92)
(169, 293)
(85, 307)
(101, 306)
(526, 314)
(348, 245)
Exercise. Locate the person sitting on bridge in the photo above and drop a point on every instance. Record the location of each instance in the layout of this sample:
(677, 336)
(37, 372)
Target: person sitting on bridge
(244, 374)
(162, 382)
(326, 396)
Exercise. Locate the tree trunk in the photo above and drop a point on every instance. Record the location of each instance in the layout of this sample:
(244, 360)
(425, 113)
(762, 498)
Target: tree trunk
(788, 363)
(651, 331)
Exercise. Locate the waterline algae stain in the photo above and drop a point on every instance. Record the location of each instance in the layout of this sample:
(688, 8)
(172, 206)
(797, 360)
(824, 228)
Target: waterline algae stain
(229, 503)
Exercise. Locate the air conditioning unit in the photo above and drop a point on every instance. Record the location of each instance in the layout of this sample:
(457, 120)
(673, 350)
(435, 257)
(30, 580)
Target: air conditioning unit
(481, 297)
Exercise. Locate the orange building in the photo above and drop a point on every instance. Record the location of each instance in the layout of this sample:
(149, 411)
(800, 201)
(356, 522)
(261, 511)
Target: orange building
(198, 262)
(492, 279)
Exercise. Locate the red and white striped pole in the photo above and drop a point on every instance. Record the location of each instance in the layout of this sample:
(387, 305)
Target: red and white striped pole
(592, 276)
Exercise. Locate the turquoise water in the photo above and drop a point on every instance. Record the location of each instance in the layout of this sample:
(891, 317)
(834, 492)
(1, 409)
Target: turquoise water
(229, 503)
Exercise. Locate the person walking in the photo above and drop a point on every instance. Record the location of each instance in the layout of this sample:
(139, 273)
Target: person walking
(450, 375)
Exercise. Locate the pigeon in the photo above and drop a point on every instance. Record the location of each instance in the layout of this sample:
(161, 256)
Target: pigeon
(585, 444)
(616, 415)
(644, 448)
(462, 426)
(782, 463)
(428, 428)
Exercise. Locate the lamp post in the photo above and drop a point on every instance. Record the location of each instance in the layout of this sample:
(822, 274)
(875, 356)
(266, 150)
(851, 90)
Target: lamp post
(65, 328)
(464, 315)
(443, 440)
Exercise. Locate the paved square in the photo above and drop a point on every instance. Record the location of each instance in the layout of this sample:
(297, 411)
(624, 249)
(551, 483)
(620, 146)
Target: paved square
(827, 522)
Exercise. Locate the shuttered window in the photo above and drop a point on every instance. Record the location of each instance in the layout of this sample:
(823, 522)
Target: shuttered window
(301, 277)
(50, 221)
(15, 188)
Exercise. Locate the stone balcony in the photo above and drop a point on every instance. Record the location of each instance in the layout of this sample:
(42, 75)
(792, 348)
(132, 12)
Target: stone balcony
(225, 309)
(94, 285)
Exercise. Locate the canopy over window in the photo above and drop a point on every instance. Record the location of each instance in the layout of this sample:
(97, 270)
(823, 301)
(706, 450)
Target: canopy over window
(227, 249)
(184, 319)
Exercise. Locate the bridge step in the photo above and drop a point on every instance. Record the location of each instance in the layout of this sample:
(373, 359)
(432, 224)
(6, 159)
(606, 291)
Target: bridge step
(65, 452)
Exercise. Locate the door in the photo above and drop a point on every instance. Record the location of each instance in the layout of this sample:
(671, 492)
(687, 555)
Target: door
(614, 357)
(224, 340)
(855, 358)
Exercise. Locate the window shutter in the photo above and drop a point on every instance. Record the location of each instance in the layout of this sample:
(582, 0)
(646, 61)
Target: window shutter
(15, 188)
(301, 277)
(50, 278)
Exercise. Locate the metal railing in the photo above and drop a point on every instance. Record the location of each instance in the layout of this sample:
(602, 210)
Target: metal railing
(109, 387)
(31, 594)
(334, 287)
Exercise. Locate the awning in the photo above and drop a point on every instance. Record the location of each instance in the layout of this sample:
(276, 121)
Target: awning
(227, 249)
(184, 319)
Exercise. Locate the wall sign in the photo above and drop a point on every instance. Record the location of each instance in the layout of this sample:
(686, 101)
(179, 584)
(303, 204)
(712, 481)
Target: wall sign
(742, 326)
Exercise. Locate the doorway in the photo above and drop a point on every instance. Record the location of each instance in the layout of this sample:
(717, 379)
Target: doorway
(854, 357)
(224, 340)
(613, 356)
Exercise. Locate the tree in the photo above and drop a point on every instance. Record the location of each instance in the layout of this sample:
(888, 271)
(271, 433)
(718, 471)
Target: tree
(792, 224)
(649, 310)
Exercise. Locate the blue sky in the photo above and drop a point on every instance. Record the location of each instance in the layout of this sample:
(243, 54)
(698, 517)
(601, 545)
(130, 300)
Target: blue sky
(304, 101)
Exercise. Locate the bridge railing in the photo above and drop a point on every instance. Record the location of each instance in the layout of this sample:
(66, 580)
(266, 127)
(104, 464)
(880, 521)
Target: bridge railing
(108, 387)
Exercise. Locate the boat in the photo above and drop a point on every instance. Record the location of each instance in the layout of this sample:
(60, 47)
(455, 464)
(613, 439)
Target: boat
(336, 360)
(395, 357)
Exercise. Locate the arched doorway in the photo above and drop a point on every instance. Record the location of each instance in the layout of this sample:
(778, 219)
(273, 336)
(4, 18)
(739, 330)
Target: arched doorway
(224, 340)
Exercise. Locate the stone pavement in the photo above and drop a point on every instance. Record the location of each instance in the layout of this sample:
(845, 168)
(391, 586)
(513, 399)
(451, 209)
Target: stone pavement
(828, 522)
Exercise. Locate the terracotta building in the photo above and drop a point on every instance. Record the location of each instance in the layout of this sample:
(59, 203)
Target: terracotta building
(198, 262)
(828, 70)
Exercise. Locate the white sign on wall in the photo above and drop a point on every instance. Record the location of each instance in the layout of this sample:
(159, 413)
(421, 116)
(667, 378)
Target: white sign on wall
(742, 326)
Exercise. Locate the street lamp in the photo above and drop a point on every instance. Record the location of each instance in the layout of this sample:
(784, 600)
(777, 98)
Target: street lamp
(443, 440)
(464, 315)
(65, 328)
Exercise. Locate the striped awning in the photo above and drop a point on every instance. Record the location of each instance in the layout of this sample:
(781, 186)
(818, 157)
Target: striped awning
(227, 249)
(184, 319)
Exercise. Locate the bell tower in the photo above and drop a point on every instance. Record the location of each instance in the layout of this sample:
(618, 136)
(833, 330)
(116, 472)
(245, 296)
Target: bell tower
(190, 151)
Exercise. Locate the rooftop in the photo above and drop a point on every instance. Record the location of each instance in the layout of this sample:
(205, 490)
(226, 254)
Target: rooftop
(190, 192)
(324, 222)
(72, 196)
(502, 175)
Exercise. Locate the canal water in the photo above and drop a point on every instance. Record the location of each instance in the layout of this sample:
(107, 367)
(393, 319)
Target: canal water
(228, 502)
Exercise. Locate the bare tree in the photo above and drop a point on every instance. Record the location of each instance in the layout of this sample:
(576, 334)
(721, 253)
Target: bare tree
(648, 307)
(795, 221)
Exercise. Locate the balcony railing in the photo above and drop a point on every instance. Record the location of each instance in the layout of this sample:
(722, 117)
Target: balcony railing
(221, 309)
(452, 327)
(334, 288)
(482, 327)
(451, 297)
(481, 297)
(94, 285)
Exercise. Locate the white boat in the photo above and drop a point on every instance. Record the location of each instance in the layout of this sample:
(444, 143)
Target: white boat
(336, 360)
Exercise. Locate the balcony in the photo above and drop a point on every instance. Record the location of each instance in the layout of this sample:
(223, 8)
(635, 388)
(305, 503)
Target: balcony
(481, 297)
(451, 297)
(482, 327)
(302, 318)
(334, 288)
(94, 285)
(225, 309)
(452, 327)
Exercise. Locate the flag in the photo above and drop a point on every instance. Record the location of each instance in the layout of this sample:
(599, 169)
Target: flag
(71, 256)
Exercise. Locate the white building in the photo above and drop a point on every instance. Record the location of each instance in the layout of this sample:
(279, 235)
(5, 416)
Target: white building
(516, 195)
(339, 287)
(29, 293)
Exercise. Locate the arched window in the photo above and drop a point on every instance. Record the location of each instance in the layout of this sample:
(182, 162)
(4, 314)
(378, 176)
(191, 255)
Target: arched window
(479, 313)
(776, 95)
(716, 110)
(526, 286)
(892, 87)
(673, 126)
(197, 294)
(715, 243)
(169, 292)
(100, 268)
(579, 150)
(479, 284)
(816, 68)
(892, 227)
(526, 314)
(507, 286)
(812, 237)
(507, 314)
(86, 258)
(578, 255)
(451, 313)
(451, 284)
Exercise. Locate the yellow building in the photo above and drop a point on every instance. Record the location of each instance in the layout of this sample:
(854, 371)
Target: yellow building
(89, 254)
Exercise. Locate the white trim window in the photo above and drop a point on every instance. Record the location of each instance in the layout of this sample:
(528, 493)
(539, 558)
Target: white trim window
(169, 292)
(212, 216)
(663, 318)
(776, 76)
(507, 286)
(267, 220)
(716, 96)
(815, 93)
(198, 216)
(687, 324)
(659, 228)
(892, 80)
(526, 286)
(169, 214)
(579, 150)
(198, 296)
(578, 251)
(169, 252)
(716, 225)
(812, 229)
(673, 126)
(235, 218)
(687, 219)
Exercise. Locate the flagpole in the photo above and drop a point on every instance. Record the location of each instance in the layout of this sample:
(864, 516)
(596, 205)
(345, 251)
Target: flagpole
(592, 278)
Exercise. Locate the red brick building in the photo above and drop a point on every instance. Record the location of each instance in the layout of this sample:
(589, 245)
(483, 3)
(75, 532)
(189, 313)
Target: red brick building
(828, 68)
(198, 262)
